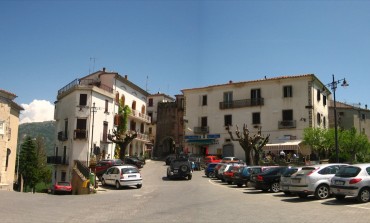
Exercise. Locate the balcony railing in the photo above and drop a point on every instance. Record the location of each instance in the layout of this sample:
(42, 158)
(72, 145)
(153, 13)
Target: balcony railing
(62, 160)
(85, 82)
(62, 136)
(242, 103)
(141, 116)
(143, 137)
(80, 134)
(287, 124)
(201, 130)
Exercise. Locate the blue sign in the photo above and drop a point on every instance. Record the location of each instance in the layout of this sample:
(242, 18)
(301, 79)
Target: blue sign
(192, 137)
(213, 136)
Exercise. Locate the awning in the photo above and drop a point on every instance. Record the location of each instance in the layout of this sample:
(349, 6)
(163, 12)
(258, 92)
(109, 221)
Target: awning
(201, 141)
(288, 145)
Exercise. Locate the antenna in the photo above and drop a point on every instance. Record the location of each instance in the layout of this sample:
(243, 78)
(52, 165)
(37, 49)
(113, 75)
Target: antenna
(146, 83)
(92, 59)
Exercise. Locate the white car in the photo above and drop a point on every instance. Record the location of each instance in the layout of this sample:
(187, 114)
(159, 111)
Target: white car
(353, 181)
(125, 175)
(314, 180)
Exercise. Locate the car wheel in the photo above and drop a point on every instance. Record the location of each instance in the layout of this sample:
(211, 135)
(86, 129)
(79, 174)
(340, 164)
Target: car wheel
(340, 197)
(275, 187)
(103, 182)
(211, 174)
(118, 186)
(363, 195)
(139, 186)
(207, 175)
(190, 176)
(300, 195)
(322, 192)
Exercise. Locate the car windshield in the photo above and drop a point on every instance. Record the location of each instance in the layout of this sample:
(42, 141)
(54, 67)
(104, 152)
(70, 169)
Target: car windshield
(64, 184)
(288, 172)
(349, 171)
(129, 170)
(305, 170)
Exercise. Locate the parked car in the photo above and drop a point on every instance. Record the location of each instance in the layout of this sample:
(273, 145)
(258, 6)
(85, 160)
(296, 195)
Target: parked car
(253, 177)
(169, 159)
(211, 159)
(353, 181)
(229, 159)
(134, 161)
(105, 164)
(125, 175)
(243, 176)
(270, 179)
(61, 187)
(229, 174)
(314, 180)
(180, 168)
(209, 171)
(285, 180)
(224, 168)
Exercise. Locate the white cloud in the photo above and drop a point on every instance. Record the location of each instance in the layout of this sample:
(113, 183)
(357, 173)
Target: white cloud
(37, 111)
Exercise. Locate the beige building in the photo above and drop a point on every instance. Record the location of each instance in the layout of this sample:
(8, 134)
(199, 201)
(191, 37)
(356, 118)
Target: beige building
(281, 106)
(85, 114)
(9, 122)
(350, 116)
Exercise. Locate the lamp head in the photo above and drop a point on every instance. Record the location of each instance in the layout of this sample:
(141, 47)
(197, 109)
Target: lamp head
(344, 84)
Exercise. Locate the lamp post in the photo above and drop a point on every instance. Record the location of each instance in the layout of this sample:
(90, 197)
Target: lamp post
(333, 86)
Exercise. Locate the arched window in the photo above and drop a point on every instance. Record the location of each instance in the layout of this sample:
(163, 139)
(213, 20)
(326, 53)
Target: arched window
(122, 100)
(143, 109)
(117, 97)
(133, 105)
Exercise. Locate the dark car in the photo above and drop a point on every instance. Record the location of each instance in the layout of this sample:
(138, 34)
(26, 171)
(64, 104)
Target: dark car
(134, 161)
(180, 168)
(229, 173)
(209, 171)
(103, 165)
(270, 179)
(243, 176)
(169, 159)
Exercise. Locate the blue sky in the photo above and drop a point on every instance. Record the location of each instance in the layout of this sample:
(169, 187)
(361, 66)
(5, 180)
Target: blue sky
(168, 45)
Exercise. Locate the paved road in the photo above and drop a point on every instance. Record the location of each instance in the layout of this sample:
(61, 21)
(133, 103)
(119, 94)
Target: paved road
(161, 200)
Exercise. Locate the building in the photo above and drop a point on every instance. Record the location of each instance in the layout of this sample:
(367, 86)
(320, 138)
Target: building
(350, 116)
(9, 123)
(281, 106)
(170, 127)
(153, 101)
(85, 114)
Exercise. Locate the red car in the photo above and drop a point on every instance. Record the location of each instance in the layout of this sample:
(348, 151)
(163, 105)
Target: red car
(61, 188)
(211, 159)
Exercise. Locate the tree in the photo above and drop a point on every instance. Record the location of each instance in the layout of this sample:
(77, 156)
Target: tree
(353, 144)
(44, 171)
(249, 144)
(28, 164)
(121, 136)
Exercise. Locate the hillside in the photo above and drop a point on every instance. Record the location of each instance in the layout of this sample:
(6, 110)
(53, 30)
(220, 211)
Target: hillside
(43, 129)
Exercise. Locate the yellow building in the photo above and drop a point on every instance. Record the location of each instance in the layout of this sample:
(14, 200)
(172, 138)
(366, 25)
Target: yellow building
(9, 122)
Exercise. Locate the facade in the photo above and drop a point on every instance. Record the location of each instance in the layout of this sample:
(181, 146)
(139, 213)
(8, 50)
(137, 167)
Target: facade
(85, 114)
(170, 127)
(153, 101)
(282, 107)
(9, 123)
(350, 116)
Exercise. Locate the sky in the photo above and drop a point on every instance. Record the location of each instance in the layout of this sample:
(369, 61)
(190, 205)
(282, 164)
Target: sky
(166, 46)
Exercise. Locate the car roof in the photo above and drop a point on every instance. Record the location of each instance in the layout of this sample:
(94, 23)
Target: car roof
(317, 166)
(124, 166)
(360, 165)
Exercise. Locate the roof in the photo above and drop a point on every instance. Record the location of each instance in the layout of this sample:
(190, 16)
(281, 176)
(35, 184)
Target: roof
(8, 94)
(9, 97)
(259, 80)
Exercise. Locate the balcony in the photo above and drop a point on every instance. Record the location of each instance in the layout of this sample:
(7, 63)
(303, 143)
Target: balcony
(57, 160)
(287, 124)
(201, 130)
(143, 137)
(80, 134)
(62, 136)
(84, 82)
(141, 116)
(242, 103)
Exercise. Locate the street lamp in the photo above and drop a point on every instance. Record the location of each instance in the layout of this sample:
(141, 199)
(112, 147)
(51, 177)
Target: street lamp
(333, 86)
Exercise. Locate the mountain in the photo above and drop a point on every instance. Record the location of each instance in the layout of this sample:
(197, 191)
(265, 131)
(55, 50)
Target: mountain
(43, 129)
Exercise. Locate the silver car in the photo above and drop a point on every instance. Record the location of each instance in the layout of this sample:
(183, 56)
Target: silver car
(354, 181)
(125, 175)
(314, 180)
(285, 179)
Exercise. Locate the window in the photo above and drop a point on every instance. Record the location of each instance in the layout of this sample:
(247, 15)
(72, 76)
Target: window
(288, 91)
(117, 97)
(83, 99)
(324, 122)
(363, 116)
(150, 114)
(105, 131)
(2, 128)
(324, 100)
(132, 125)
(122, 102)
(318, 118)
(287, 115)
(150, 102)
(228, 120)
(204, 122)
(64, 154)
(228, 99)
(150, 131)
(133, 105)
(63, 176)
(81, 124)
(106, 106)
(318, 95)
(142, 128)
(255, 93)
(204, 100)
(256, 118)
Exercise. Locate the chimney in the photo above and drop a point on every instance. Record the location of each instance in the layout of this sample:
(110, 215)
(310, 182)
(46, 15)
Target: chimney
(126, 77)
(103, 69)
(230, 82)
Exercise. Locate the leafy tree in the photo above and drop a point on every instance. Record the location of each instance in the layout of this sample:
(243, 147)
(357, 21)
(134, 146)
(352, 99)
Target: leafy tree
(121, 136)
(44, 170)
(353, 144)
(28, 164)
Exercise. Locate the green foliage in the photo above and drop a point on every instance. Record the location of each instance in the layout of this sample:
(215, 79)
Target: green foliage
(28, 163)
(123, 111)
